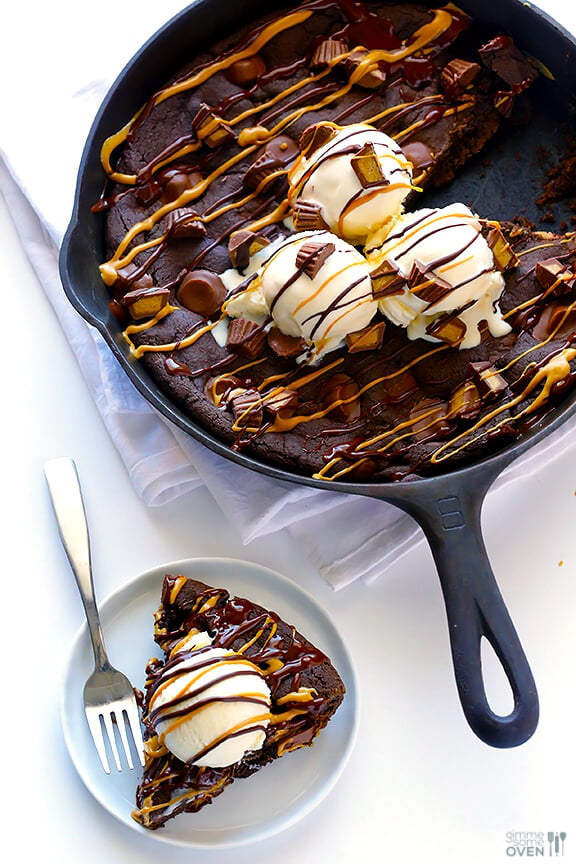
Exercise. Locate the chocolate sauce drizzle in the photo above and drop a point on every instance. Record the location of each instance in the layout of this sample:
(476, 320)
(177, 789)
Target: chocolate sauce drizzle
(292, 667)
(408, 66)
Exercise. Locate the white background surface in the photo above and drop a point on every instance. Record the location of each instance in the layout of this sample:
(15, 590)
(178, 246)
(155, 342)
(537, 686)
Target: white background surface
(420, 787)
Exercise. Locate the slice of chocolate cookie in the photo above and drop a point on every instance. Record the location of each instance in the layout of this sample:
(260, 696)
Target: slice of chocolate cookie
(238, 688)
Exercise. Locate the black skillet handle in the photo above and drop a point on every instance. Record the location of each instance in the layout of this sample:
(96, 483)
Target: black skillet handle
(475, 608)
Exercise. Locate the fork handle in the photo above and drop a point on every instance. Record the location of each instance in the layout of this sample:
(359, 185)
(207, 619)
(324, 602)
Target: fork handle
(66, 494)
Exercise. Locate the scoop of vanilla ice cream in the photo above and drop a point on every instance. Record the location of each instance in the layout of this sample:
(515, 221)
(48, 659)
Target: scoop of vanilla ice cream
(455, 267)
(313, 285)
(353, 205)
(211, 706)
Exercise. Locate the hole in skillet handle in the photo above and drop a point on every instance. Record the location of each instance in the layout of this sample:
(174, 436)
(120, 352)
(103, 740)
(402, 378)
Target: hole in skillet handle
(449, 510)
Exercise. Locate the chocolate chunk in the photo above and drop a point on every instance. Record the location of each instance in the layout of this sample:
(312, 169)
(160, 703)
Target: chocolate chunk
(387, 281)
(426, 285)
(488, 380)
(501, 56)
(373, 76)
(342, 395)
(430, 420)
(246, 70)
(201, 291)
(242, 245)
(554, 276)
(245, 337)
(419, 154)
(184, 222)
(307, 216)
(328, 51)
(316, 136)
(457, 75)
(176, 181)
(368, 339)
(449, 329)
(247, 408)
(284, 345)
(146, 303)
(465, 402)
(504, 256)
(312, 255)
(210, 127)
(367, 168)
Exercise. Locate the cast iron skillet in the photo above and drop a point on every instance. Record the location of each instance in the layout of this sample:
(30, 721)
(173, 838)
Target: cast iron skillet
(448, 507)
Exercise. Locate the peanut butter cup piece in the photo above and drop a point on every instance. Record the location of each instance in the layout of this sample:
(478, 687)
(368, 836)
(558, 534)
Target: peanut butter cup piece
(284, 345)
(457, 75)
(430, 419)
(307, 216)
(246, 70)
(176, 181)
(247, 408)
(273, 158)
(316, 136)
(558, 320)
(132, 278)
(342, 395)
(146, 303)
(219, 387)
(370, 338)
(367, 168)
(312, 256)
(281, 403)
(449, 329)
(554, 276)
(504, 256)
(242, 245)
(488, 380)
(465, 401)
(427, 286)
(419, 154)
(245, 337)
(185, 223)
(210, 127)
(201, 291)
(371, 78)
(327, 51)
(387, 280)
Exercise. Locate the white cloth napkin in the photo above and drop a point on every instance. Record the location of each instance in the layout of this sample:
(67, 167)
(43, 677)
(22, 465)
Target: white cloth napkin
(51, 93)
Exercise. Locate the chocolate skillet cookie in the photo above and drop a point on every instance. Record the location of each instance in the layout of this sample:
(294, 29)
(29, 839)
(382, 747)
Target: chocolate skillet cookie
(237, 688)
(264, 271)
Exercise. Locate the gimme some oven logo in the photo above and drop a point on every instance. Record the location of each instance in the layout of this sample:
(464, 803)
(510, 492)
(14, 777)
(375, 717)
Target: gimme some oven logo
(532, 844)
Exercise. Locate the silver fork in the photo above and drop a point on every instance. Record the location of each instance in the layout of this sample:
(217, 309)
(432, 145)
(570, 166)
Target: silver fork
(109, 698)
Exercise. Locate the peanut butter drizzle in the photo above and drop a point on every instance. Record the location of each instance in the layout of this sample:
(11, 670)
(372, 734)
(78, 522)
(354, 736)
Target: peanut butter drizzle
(441, 21)
(556, 369)
(251, 138)
(268, 33)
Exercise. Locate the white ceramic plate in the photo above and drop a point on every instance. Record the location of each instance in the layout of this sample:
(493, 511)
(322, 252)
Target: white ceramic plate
(251, 809)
